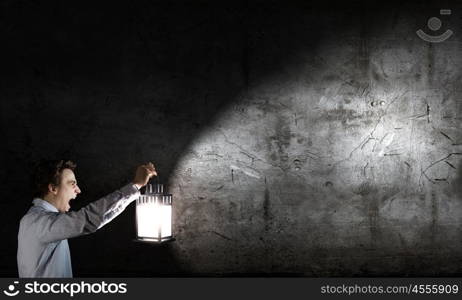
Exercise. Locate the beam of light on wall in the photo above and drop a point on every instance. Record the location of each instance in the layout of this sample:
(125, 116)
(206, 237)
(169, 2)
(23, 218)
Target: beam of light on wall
(341, 149)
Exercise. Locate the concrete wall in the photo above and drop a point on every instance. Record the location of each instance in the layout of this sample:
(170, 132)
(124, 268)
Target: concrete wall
(297, 139)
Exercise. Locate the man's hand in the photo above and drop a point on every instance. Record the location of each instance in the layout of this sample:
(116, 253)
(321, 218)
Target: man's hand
(143, 174)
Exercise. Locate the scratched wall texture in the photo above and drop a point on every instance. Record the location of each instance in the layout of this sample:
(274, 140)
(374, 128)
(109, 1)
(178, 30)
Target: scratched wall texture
(345, 161)
(299, 139)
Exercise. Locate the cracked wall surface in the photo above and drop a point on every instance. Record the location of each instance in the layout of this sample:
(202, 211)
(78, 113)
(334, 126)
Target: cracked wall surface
(345, 164)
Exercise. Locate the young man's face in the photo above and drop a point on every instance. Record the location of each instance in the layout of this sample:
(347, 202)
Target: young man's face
(67, 190)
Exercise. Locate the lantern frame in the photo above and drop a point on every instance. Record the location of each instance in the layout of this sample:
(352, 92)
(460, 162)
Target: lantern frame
(154, 195)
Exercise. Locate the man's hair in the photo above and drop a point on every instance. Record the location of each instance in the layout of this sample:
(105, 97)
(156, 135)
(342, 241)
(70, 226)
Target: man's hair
(49, 172)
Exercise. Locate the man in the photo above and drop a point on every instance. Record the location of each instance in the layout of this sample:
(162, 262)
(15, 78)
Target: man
(43, 250)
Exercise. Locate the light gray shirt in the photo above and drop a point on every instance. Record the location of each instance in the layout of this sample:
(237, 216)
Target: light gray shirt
(43, 250)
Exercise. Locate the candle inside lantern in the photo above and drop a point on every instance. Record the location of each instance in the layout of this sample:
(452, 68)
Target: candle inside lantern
(154, 215)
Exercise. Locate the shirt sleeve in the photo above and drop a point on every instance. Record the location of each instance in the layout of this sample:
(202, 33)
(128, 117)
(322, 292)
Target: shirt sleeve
(59, 226)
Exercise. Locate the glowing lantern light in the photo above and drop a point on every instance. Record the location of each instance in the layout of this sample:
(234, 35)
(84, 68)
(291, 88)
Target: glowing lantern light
(154, 215)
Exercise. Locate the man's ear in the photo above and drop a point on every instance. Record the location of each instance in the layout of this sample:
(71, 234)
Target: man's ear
(52, 189)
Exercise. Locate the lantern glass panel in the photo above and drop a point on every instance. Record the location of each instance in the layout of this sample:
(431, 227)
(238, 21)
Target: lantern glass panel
(154, 215)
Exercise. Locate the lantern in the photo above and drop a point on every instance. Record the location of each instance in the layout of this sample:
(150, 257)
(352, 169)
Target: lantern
(154, 215)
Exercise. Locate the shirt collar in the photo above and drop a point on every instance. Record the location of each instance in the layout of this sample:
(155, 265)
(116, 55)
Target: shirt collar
(44, 204)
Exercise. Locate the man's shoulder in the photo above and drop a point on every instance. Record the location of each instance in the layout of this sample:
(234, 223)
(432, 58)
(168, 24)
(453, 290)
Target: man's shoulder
(35, 213)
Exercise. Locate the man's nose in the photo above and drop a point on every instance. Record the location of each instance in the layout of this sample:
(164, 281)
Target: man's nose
(77, 189)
